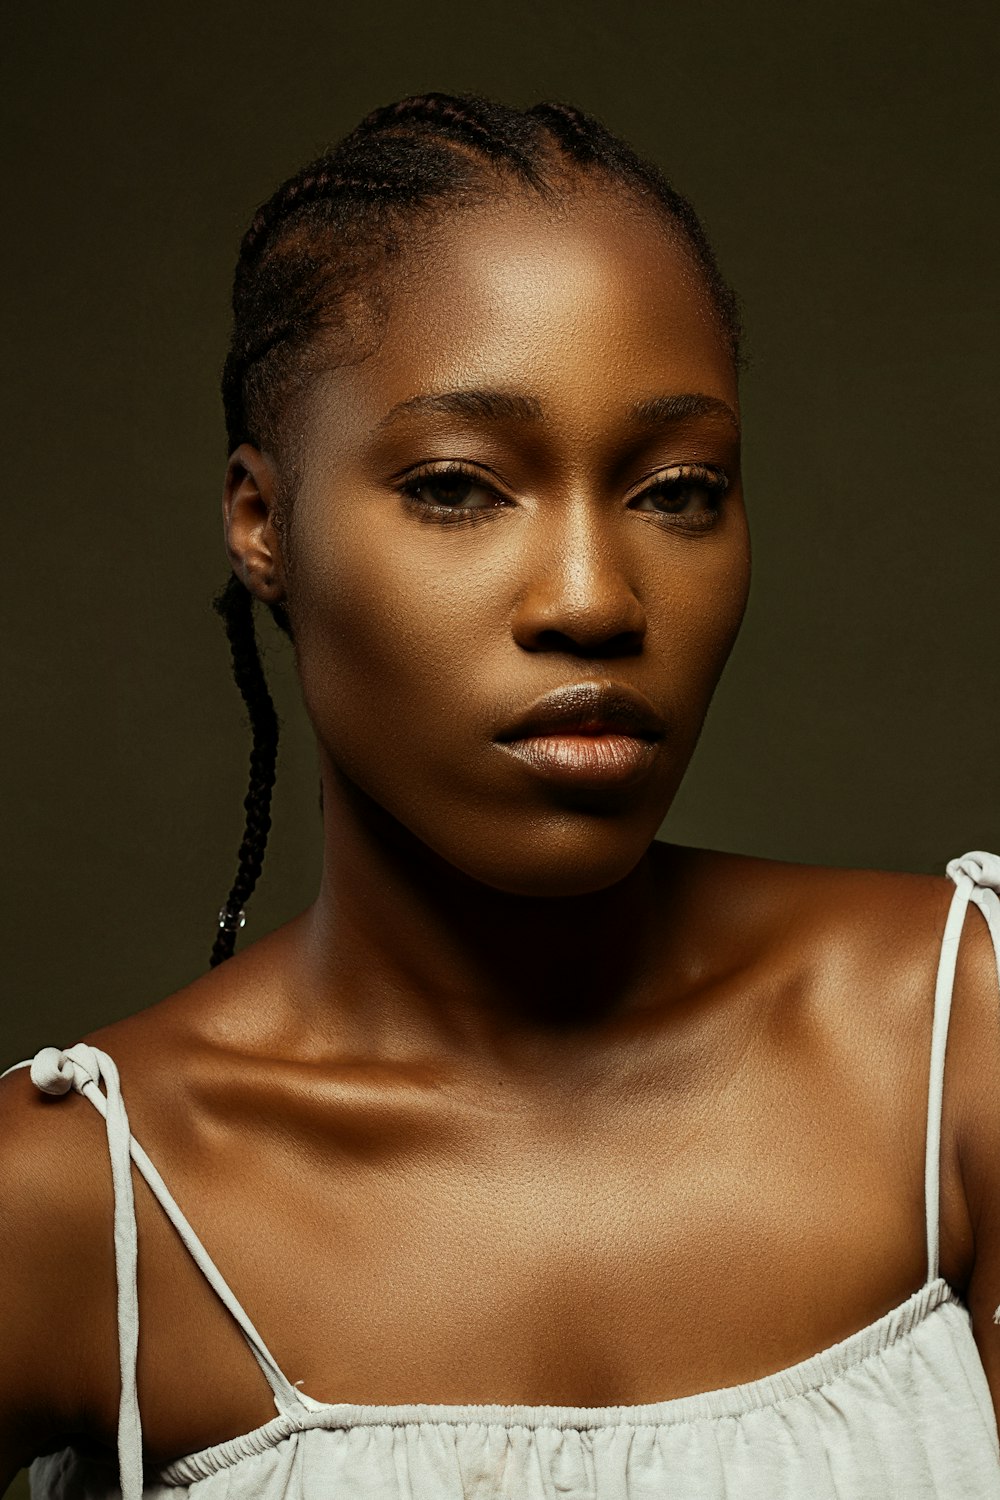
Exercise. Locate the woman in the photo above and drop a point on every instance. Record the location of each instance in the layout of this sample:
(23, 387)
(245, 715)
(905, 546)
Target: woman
(623, 1142)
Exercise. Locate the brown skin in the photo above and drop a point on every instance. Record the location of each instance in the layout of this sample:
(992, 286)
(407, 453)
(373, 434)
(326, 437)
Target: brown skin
(527, 1107)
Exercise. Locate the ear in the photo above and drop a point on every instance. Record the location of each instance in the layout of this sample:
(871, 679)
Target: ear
(248, 511)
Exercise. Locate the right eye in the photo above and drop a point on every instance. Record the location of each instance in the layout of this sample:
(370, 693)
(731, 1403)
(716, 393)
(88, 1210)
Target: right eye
(445, 489)
(450, 494)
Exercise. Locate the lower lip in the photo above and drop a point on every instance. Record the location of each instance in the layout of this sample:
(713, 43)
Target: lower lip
(585, 760)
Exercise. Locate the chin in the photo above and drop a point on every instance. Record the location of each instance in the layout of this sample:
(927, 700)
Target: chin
(558, 863)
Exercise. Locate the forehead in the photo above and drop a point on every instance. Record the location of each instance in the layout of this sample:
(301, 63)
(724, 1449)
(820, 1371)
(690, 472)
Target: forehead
(588, 305)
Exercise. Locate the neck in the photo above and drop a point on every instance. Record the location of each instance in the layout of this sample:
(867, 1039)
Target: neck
(406, 954)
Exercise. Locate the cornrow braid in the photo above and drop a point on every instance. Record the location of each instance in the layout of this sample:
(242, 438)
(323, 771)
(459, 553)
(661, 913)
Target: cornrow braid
(573, 129)
(235, 604)
(310, 282)
(309, 184)
(469, 121)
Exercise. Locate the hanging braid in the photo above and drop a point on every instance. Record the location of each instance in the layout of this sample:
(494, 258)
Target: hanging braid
(235, 604)
(316, 255)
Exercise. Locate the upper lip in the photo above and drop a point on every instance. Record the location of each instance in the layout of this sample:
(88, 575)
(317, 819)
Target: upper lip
(588, 708)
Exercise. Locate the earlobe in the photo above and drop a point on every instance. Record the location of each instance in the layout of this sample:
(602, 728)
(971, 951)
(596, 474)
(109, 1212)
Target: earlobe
(248, 511)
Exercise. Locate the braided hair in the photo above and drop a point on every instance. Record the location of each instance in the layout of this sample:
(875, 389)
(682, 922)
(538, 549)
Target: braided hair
(309, 285)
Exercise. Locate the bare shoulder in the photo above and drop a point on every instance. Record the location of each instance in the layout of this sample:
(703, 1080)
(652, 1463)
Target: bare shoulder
(869, 943)
(848, 961)
(58, 1361)
(879, 929)
(58, 1357)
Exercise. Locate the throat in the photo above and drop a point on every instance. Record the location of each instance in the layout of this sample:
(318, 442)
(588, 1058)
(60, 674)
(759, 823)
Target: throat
(443, 965)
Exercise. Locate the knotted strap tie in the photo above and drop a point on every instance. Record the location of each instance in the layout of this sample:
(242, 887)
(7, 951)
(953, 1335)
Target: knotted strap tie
(983, 870)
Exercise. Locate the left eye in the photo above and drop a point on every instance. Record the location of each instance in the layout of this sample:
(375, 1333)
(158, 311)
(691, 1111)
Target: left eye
(686, 491)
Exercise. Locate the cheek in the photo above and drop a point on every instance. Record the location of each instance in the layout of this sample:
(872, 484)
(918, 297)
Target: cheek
(386, 637)
(696, 618)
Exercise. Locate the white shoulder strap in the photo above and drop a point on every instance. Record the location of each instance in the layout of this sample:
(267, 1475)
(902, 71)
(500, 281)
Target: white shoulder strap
(85, 1069)
(977, 879)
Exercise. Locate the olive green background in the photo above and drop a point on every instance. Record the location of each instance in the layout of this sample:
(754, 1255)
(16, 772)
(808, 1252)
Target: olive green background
(842, 158)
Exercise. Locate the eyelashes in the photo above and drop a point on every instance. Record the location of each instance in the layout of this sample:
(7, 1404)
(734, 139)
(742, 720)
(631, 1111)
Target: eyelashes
(442, 494)
(688, 493)
(687, 496)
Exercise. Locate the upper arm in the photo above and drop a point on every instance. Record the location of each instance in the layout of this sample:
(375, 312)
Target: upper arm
(973, 1056)
(57, 1284)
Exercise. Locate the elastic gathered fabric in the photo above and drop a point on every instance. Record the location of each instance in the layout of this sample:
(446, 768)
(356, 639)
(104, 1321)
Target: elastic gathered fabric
(900, 1410)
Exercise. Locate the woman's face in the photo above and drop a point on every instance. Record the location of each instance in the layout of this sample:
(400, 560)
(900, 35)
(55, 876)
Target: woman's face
(521, 489)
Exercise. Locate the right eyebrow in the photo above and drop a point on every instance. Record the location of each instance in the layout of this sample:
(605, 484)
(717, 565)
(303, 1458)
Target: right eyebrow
(488, 405)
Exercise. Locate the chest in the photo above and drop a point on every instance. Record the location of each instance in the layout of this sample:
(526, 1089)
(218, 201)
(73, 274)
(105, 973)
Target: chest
(590, 1253)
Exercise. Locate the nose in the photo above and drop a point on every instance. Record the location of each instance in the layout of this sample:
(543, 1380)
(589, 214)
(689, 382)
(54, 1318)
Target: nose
(578, 597)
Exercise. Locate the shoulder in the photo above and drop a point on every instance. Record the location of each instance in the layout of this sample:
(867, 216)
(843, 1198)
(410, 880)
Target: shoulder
(839, 964)
(843, 964)
(879, 929)
(59, 1376)
(58, 1359)
(58, 1356)
(52, 1179)
(852, 958)
(869, 943)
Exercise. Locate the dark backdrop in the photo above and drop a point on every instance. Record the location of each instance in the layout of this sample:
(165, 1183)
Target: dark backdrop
(842, 157)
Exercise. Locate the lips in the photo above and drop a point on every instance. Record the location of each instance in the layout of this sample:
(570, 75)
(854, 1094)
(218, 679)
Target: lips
(587, 708)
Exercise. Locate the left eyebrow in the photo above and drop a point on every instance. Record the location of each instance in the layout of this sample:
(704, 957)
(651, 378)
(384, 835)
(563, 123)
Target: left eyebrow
(664, 411)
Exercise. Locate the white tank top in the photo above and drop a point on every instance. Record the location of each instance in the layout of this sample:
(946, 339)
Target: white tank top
(898, 1411)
